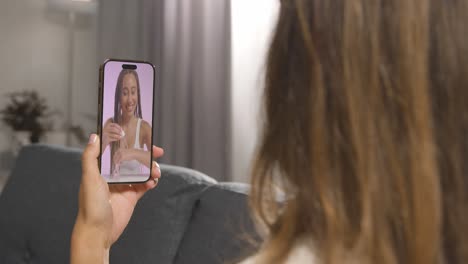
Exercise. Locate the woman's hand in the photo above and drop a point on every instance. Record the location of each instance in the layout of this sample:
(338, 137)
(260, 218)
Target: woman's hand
(142, 156)
(125, 155)
(110, 133)
(104, 210)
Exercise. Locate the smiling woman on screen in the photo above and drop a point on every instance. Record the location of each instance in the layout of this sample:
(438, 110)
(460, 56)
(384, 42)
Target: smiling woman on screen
(127, 133)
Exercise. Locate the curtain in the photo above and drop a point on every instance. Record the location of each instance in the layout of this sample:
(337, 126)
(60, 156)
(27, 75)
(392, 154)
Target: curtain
(189, 43)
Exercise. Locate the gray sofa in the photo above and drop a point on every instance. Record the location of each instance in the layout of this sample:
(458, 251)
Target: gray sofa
(188, 218)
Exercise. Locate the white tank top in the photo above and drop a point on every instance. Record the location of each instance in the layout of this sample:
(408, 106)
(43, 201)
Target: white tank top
(133, 167)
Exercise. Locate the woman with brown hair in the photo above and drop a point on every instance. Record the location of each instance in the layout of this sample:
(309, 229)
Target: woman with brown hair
(365, 132)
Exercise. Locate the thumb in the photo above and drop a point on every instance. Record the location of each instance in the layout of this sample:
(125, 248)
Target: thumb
(89, 158)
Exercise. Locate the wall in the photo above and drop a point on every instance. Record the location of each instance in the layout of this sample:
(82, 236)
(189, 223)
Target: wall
(252, 25)
(34, 55)
(34, 51)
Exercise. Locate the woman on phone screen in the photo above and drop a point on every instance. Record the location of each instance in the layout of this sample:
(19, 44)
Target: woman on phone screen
(127, 133)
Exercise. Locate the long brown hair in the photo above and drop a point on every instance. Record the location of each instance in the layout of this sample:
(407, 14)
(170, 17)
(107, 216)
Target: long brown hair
(118, 108)
(366, 132)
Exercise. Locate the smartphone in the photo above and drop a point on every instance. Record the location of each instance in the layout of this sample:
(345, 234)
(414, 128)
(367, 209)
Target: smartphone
(125, 120)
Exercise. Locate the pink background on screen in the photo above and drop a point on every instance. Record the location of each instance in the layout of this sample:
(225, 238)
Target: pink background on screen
(112, 70)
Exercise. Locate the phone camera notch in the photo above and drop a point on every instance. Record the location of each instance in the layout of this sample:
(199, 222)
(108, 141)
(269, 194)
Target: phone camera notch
(129, 66)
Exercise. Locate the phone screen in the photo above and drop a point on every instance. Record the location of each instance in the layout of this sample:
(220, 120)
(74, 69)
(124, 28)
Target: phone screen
(126, 121)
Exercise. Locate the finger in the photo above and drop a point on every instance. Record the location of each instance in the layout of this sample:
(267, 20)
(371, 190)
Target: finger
(157, 152)
(113, 138)
(113, 135)
(109, 127)
(155, 176)
(116, 126)
(115, 130)
(152, 183)
(148, 185)
(89, 160)
(155, 170)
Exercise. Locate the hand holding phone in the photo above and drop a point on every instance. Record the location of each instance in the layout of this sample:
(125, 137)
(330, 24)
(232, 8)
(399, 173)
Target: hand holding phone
(104, 209)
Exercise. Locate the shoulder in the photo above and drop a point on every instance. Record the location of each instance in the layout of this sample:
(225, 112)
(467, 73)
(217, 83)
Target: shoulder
(145, 126)
(302, 252)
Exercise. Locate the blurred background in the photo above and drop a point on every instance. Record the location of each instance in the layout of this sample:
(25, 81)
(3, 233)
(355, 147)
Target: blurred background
(209, 57)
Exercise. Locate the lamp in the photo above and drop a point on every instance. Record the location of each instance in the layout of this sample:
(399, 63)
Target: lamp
(72, 8)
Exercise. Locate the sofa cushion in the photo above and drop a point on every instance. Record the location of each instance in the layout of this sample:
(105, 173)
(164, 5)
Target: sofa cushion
(160, 218)
(38, 207)
(220, 229)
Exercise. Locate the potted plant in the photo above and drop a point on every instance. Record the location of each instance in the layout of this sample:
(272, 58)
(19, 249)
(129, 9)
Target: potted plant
(28, 115)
